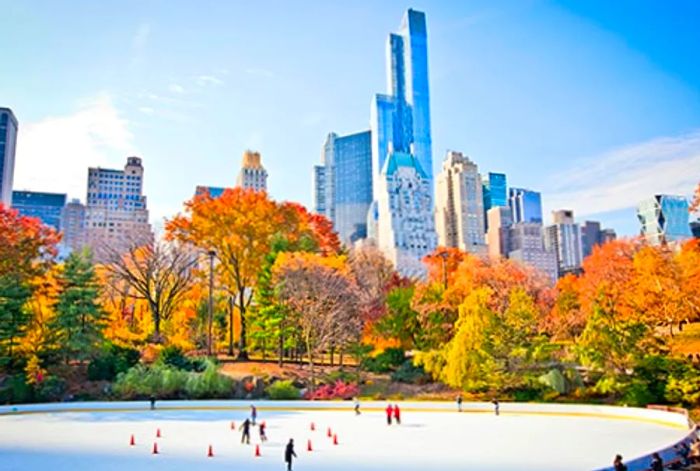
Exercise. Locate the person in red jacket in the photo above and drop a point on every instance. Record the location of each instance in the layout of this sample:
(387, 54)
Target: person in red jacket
(389, 411)
(397, 414)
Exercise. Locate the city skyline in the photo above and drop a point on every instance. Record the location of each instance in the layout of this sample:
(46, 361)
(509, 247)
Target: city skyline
(104, 119)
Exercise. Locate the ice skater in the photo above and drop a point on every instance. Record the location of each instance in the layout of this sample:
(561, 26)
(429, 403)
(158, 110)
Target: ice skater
(496, 406)
(618, 465)
(289, 453)
(153, 402)
(263, 435)
(253, 413)
(459, 403)
(245, 436)
(657, 464)
(357, 406)
(397, 414)
(389, 413)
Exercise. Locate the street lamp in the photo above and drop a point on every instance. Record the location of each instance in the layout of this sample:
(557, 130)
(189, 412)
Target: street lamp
(211, 254)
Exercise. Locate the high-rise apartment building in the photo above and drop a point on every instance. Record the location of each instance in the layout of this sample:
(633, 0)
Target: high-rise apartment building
(664, 219)
(73, 225)
(8, 143)
(45, 206)
(563, 238)
(526, 205)
(406, 229)
(526, 246)
(116, 216)
(252, 175)
(459, 206)
(500, 219)
(343, 184)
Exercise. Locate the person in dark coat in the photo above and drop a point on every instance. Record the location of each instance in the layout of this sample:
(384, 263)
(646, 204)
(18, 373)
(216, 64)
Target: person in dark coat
(397, 414)
(289, 453)
(263, 435)
(389, 413)
(496, 406)
(459, 403)
(153, 402)
(657, 464)
(618, 465)
(253, 413)
(245, 427)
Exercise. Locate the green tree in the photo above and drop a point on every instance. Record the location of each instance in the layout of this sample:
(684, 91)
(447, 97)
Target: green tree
(400, 320)
(14, 317)
(79, 318)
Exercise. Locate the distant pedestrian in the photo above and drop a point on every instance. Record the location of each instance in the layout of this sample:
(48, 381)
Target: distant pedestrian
(263, 436)
(357, 406)
(459, 403)
(657, 464)
(153, 402)
(397, 414)
(683, 453)
(389, 413)
(245, 436)
(618, 465)
(289, 453)
(253, 413)
(496, 406)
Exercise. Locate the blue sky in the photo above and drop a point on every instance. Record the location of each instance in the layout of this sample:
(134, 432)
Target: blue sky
(594, 103)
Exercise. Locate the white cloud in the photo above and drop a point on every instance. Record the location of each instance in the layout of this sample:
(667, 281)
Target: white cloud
(175, 88)
(204, 80)
(53, 154)
(621, 178)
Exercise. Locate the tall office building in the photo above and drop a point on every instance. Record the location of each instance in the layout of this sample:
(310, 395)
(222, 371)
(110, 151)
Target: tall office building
(73, 226)
(459, 206)
(406, 229)
(45, 206)
(526, 246)
(664, 219)
(116, 216)
(343, 184)
(213, 191)
(495, 190)
(500, 219)
(8, 143)
(252, 175)
(526, 205)
(563, 238)
(592, 235)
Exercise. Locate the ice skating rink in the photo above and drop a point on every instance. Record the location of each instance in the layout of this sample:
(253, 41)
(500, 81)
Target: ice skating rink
(96, 436)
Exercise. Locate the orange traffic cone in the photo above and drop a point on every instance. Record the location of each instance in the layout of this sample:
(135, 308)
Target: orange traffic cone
(132, 442)
(335, 439)
(210, 453)
(155, 448)
(313, 426)
(257, 450)
(158, 433)
(329, 433)
(308, 446)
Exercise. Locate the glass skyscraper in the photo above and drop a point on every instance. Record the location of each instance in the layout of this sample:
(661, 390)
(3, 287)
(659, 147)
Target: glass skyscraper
(526, 205)
(400, 119)
(45, 206)
(664, 218)
(495, 190)
(343, 184)
(8, 141)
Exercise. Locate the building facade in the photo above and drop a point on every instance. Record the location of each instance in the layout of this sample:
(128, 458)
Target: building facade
(664, 219)
(526, 246)
(459, 206)
(252, 175)
(495, 188)
(213, 191)
(116, 216)
(564, 239)
(45, 206)
(500, 219)
(526, 205)
(8, 144)
(343, 184)
(406, 232)
(73, 226)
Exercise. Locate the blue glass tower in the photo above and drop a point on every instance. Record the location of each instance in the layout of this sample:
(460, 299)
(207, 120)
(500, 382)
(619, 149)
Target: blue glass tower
(400, 119)
(46, 207)
(664, 218)
(495, 191)
(526, 205)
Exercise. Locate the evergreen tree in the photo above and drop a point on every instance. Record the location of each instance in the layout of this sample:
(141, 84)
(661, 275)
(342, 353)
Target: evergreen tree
(14, 318)
(79, 318)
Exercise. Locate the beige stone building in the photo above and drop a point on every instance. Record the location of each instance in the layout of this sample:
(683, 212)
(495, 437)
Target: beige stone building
(252, 175)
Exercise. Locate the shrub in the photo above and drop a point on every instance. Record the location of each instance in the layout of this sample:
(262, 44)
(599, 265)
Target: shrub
(209, 384)
(51, 389)
(410, 373)
(175, 357)
(15, 390)
(388, 360)
(338, 390)
(111, 361)
(282, 390)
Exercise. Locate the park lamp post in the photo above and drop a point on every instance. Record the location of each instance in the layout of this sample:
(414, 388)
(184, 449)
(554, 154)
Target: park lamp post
(443, 255)
(210, 319)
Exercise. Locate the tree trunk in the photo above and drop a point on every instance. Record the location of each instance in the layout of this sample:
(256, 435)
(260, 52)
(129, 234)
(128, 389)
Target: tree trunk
(281, 350)
(242, 349)
(230, 326)
(332, 351)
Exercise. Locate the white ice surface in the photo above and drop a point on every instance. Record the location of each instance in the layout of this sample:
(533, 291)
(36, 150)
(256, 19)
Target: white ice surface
(426, 440)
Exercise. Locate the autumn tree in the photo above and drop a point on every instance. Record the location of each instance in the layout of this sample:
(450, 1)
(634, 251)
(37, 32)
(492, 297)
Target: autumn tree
(159, 274)
(79, 319)
(323, 298)
(239, 226)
